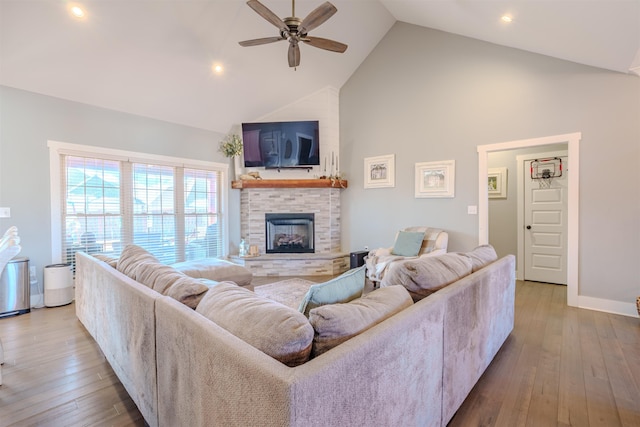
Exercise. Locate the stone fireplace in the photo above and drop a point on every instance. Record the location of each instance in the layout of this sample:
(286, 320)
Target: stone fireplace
(292, 198)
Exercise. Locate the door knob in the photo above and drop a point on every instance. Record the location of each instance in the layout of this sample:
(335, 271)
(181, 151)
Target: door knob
(528, 227)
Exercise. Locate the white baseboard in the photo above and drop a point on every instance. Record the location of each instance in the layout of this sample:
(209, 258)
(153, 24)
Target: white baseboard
(608, 306)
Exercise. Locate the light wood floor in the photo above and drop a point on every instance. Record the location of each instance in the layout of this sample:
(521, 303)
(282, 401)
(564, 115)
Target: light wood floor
(561, 366)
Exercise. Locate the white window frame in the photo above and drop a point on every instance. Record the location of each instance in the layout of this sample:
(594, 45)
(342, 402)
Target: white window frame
(57, 149)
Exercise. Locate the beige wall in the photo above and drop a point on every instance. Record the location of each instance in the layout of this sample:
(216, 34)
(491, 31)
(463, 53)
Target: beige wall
(426, 95)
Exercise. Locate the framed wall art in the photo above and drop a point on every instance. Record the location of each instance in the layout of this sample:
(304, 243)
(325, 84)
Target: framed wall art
(380, 171)
(497, 183)
(435, 179)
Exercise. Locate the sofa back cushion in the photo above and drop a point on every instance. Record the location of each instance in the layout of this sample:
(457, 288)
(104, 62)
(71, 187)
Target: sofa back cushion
(111, 261)
(343, 288)
(130, 257)
(482, 256)
(279, 331)
(144, 268)
(335, 323)
(425, 275)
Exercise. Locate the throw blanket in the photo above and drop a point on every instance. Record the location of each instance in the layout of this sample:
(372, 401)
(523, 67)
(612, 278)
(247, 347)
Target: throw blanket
(377, 261)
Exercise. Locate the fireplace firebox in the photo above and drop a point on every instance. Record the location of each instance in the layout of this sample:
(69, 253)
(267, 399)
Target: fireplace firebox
(289, 232)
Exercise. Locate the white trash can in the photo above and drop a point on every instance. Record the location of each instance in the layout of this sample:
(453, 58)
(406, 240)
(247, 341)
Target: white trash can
(58, 285)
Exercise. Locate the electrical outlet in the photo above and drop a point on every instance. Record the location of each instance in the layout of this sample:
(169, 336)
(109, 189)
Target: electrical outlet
(5, 212)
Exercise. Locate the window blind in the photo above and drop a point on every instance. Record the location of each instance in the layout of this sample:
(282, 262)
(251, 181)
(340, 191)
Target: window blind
(172, 211)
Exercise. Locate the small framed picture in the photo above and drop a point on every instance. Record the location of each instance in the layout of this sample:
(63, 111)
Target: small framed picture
(435, 179)
(497, 183)
(380, 171)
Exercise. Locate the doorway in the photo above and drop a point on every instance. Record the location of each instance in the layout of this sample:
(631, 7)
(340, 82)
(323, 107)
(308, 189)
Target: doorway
(573, 141)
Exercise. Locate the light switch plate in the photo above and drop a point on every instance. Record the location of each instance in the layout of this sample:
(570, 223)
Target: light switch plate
(5, 212)
(472, 210)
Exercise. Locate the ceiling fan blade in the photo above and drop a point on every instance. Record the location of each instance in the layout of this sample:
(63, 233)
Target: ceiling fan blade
(317, 17)
(325, 44)
(256, 42)
(294, 55)
(267, 14)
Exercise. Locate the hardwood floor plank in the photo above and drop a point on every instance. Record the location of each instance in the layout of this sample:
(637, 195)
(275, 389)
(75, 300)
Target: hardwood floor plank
(572, 399)
(601, 405)
(544, 401)
(623, 387)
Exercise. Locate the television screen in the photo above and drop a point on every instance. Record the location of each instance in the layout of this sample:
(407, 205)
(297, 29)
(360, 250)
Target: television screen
(281, 144)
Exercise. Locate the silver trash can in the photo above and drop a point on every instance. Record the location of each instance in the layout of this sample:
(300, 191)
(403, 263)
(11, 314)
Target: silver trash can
(58, 285)
(15, 289)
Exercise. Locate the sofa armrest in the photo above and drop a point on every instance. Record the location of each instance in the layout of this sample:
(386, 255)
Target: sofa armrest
(479, 316)
(120, 314)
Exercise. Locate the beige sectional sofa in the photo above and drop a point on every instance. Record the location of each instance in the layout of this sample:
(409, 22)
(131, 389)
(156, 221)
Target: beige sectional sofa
(414, 368)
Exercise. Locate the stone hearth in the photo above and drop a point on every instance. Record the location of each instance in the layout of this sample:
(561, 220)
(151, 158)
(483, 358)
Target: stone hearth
(324, 203)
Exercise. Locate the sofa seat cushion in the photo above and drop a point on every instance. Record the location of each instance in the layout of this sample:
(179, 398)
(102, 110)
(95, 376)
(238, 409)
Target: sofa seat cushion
(144, 268)
(482, 256)
(279, 331)
(425, 275)
(343, 288)
(216, 269)
(335, 323)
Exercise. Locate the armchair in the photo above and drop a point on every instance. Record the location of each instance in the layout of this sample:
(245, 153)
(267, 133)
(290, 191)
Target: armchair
(380, 261)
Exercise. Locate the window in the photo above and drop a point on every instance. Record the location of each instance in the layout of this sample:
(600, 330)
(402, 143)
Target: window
(170, 208)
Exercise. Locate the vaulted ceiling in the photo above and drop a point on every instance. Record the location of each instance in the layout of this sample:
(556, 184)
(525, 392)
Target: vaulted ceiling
(155, 58)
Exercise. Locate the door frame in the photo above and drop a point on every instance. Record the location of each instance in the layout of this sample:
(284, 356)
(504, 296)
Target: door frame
(573, 191)
(520, 266)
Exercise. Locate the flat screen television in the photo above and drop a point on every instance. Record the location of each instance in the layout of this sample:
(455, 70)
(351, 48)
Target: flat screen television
(281, 145)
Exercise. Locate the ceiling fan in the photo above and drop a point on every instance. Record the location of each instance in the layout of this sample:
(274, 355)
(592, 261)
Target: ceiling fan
(296, 30)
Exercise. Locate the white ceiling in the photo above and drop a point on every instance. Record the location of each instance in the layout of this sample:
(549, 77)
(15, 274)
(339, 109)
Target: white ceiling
(154, 58)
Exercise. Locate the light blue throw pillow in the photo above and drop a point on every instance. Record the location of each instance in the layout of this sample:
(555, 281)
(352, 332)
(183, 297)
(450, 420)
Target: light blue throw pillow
(408, 243)
(343, 288)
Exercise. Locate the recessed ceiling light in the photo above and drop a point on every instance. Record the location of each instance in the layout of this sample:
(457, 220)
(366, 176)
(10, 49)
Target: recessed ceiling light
(217, 68)
(77, 11)
(506, 18)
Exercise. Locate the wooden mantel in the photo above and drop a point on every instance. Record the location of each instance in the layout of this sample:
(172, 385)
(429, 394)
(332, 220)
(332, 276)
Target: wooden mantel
(289, 183)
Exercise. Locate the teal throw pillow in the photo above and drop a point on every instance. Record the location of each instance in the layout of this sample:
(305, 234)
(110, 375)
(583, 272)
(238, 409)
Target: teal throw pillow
(344, 288)
(408, 243)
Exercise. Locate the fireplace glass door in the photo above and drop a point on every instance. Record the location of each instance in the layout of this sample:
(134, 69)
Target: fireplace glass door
(289, 232)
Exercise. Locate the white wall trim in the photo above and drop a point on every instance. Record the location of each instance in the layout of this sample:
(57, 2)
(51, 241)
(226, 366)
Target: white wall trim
(57, 149)
(608, 306)
(573, 189)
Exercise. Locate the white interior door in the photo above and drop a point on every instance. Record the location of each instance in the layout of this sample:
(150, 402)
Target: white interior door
(545, 233)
